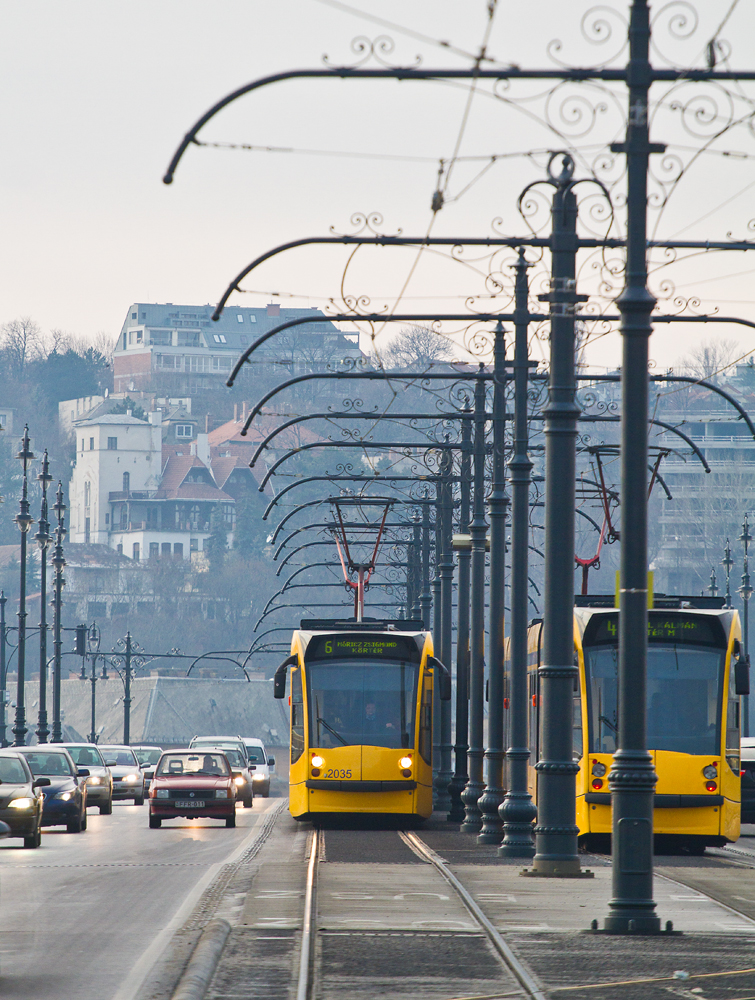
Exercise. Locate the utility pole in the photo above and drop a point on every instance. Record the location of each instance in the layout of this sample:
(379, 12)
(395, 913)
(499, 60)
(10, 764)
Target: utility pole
(43, 539)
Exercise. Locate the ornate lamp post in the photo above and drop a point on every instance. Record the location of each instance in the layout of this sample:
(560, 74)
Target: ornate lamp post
(43, 539)
(713, 585)
(24, 520)
(58, 563)
(727, 562)
(3, 669)
(94, 637)
(745, 592)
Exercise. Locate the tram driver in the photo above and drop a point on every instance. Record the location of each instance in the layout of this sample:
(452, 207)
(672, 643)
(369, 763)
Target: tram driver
(372, 722)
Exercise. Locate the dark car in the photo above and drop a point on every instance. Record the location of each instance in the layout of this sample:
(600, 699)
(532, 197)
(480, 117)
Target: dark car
(187, 783)
(66, 796)
(100, 780)
(21, 799)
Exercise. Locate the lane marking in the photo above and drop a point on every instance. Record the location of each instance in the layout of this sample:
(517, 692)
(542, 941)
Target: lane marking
(149, 957)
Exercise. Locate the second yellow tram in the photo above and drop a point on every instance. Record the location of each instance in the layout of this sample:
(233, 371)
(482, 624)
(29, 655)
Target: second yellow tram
(693, 713)
(361, 697)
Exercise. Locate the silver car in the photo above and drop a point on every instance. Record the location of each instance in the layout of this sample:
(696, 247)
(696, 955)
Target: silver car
(148, 756)
(100, 781)
(128, 778)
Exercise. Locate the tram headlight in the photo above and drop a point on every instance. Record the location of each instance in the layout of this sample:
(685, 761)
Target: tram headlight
(711, 771)
(598, 769)
(405, 762)
(318, 761)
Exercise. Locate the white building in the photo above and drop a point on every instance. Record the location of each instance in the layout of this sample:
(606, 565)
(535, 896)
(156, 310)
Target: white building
(142, 496)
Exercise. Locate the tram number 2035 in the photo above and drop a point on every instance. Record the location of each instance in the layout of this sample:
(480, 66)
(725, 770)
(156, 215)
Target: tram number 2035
(336, 773)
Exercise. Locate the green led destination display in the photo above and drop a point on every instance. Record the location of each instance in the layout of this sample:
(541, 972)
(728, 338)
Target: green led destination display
(382, 647)
(662, 627)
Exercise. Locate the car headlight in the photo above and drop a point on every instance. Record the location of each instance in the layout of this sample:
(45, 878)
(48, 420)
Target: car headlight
(94, 780)
(131, 778)
(258, 777)
(239, 780)
(222, 793)
(162, 793)
(65, 796)
(21, 803)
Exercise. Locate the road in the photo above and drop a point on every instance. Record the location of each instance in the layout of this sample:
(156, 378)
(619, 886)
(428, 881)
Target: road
(78, 915)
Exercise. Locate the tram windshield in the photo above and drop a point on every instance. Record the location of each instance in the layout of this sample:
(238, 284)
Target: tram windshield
(684, 688)
(354, 702)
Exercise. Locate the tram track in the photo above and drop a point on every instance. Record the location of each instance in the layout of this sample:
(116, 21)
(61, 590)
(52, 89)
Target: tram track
(524, 982)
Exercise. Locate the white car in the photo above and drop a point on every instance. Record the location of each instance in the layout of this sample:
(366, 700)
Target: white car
(260, 764)
(128, 778)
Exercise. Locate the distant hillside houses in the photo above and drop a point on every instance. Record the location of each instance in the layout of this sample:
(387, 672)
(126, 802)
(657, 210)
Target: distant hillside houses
(163, 339)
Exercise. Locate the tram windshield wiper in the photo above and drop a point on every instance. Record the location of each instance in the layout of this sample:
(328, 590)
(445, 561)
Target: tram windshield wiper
(332, 730)
(608, 722)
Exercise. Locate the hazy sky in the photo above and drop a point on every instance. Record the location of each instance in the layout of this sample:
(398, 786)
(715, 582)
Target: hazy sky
(97, 95)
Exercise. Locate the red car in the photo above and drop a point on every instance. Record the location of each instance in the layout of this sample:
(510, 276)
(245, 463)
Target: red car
(187, 783)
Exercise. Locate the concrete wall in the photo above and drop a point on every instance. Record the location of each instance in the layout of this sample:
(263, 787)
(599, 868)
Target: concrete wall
(167, 710)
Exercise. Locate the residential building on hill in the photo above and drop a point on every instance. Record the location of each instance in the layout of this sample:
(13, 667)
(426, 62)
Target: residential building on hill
(182, 341)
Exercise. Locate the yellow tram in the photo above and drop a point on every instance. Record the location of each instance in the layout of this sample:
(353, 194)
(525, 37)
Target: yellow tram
(361, 697)
(695, 675)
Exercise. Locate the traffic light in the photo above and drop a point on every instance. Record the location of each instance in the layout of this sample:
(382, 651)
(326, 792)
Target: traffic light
(81, 640)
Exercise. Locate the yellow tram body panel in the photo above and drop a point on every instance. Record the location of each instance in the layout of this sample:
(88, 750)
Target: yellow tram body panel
(688, 804)
(361, 778)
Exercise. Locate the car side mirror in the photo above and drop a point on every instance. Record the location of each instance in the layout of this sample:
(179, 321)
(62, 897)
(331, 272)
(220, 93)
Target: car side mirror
(82, 772)
(41, 783)
(742, 675)
(442, 678)
(271, 761)
(279, 680)
(110, 763)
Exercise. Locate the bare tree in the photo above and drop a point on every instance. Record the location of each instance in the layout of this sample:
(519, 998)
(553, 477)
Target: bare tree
(416, 347)
(21, 341)
(709, 358)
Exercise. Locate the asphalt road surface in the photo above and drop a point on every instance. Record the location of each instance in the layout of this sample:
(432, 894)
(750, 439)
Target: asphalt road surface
(85, 914)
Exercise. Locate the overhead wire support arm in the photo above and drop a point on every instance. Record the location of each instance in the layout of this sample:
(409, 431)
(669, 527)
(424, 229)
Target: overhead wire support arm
(432, 75)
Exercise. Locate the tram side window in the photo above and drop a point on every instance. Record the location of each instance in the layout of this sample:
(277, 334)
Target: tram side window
(297, 716)
(576, 716)
(426, 722)
(732, 722)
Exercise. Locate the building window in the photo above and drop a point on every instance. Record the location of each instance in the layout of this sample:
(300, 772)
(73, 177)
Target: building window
(184, 431)
(178, 550)
(91, 444)
(119, 549)
(252, 319)
(194, 517)
(82, 444)
(133, 315)
(194, 545)
(112, 444)
(154, 550)
(96, 609)
(87, 493)
(107, 519)
(219, 338)
(188, 339)
(136, 552)
(166, 550)
(86, 529)
(228, 514)
(239, 318)
(126, 482)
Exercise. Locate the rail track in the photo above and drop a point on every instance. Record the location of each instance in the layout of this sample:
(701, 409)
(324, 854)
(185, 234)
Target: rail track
(513, 969)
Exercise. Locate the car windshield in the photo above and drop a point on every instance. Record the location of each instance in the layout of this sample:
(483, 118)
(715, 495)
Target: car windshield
(683, 696)
(148, 756)
(355, 701)
(176, 764)
(49, 764)
(12, 771)
(86, 756)
(122, 758)
(255, 755)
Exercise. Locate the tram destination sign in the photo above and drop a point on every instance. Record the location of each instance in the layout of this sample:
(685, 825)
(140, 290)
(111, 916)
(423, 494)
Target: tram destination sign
(662, 627)
(343, 645)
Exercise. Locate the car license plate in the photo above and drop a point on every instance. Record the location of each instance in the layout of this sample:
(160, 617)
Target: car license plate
(189, 803)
